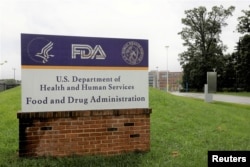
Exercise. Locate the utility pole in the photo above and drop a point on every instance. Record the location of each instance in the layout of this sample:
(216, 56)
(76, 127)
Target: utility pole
(167, 66)
(2, 64)
(14, 74)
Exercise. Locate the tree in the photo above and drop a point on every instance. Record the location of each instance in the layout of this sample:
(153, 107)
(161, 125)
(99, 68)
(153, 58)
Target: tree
(228, 78)
(201, 36)
(243, 50)
(244, 22)
(243, 62)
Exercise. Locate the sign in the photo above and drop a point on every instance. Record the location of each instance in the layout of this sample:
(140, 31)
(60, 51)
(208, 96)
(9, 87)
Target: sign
(66, 73)
(212, 82)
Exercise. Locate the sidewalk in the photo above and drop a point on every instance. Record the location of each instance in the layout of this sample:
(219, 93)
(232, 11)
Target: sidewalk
(217, 97)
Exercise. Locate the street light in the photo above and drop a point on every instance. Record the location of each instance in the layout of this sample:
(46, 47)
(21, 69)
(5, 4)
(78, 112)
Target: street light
(14, 74)
(3, 62)
(157, 78)
(167, 66)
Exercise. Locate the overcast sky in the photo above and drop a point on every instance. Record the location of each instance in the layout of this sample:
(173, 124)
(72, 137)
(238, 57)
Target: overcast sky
(159, 21)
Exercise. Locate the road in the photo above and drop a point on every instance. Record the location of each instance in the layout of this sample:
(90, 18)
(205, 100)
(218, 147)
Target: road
(217, 97)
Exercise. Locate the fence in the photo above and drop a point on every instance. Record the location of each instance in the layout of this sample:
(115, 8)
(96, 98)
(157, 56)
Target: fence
(4, 86)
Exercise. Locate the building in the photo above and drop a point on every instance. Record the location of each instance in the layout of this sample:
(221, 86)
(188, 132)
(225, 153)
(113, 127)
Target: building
(158, 79)
(152, 79)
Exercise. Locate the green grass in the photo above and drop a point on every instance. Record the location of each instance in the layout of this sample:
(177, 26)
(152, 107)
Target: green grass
(10, 103)
(182, 131)
(246, 94)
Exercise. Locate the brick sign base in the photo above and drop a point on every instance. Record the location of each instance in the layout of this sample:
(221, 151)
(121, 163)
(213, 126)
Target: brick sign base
(101, 132)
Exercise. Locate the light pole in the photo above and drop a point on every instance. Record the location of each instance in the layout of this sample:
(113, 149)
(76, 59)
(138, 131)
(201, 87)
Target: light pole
(2, 64)
(157, 80)
(167, 66)
(14, 74)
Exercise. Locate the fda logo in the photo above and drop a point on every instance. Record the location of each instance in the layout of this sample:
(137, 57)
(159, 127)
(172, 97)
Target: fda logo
(87, 52)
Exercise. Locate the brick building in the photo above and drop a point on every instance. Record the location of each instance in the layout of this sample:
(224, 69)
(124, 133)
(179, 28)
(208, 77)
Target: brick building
(158, 79)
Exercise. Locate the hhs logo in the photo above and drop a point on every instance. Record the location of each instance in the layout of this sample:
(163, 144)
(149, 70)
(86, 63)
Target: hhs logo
(87, 52)
(39, 50)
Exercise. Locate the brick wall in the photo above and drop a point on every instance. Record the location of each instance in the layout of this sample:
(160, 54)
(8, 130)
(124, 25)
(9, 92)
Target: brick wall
(103, 132)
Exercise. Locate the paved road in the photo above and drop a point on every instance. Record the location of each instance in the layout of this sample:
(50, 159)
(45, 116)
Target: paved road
(218, 97)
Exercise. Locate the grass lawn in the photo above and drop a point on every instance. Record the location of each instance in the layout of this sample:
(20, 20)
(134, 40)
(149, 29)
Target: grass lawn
(246, 94)
(182, 131)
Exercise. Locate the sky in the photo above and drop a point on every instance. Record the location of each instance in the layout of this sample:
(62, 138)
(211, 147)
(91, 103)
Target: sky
(158, 21)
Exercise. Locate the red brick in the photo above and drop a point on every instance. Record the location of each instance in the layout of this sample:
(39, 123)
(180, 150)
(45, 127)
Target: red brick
(111, 137)
(107, 117)
(83, 135)
(106, 141)
(59, 127)
(95, 142)
(65, 131)
(86, 133)
(88, 130)
(111, 121)
(100, 130)
(83, 143)
(76, 139)
(59, 136)
(71, 127)
(89, 146)
(89, 122)
(101, 137)
(64, 140)
(65, 123)
(96, 134)
(77, 131)
(96, 118)
(46, 137)
(71, 135)
(94, 126)
(83, 126)
(102, 121)
(77, 123)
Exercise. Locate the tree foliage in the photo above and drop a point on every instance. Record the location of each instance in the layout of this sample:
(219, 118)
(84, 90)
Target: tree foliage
(244, 22)
(242, 55)
(243, 63)
(201, 36)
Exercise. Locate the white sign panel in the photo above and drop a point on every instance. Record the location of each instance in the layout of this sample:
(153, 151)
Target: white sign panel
(80, 73)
